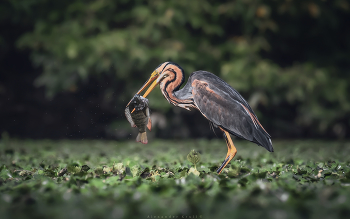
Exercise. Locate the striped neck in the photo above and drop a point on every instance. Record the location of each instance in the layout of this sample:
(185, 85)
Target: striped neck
(172, 83)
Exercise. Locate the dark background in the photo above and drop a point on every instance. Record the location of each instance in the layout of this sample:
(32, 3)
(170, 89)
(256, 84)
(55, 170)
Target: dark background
(68, 68)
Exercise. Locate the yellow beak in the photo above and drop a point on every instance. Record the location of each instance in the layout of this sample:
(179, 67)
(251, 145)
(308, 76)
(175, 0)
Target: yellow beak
(153, 78)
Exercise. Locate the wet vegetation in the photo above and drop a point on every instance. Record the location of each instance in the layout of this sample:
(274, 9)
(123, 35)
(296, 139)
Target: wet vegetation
(110, 179)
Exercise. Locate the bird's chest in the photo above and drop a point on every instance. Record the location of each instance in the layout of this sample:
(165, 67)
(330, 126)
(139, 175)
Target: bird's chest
(183, 103)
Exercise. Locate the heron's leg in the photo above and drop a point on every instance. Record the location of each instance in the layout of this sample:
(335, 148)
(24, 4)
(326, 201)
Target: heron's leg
(230, 153)
(228, 146)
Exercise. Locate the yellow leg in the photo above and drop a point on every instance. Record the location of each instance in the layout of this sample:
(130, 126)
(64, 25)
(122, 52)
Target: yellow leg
(230, 153)
(228, 146)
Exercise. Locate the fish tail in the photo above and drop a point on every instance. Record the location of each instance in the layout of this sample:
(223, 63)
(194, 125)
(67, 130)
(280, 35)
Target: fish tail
(142, 137)
(149, 124)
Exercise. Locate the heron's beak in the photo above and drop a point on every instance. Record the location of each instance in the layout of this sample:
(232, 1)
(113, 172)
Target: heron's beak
(153, 77)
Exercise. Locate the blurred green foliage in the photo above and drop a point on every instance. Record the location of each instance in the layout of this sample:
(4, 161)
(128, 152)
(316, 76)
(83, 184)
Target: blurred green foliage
(290, 58)
(301, 179)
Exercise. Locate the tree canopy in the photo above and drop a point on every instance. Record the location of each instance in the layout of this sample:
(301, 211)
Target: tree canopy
(289, 59)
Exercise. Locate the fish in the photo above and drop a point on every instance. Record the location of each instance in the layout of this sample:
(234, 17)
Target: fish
(140, 118)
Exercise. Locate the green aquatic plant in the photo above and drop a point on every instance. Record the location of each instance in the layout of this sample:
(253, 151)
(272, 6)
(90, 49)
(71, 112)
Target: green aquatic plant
(194, 157)
(59, 181)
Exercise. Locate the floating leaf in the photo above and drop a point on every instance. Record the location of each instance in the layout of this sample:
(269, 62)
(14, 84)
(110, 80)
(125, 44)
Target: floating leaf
(134, 170)
(85, 168)
(118, 168)
(73, 168)
(194, 171)
(99, 170)
(5, 173)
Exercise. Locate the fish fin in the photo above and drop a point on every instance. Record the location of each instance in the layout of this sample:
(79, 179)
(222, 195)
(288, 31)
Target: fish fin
(149, 124)
(128, 117)
(142, 137)
(138, 138)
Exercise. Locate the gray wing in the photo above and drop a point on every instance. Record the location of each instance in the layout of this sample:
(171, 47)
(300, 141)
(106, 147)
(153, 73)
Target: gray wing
(222, 110)
(225, 107)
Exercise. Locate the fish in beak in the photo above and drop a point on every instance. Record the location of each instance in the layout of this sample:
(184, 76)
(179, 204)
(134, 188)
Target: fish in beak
(140, 118)
(153, 78)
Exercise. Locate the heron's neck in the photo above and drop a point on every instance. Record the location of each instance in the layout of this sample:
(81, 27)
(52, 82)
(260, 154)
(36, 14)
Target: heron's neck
(177, 97)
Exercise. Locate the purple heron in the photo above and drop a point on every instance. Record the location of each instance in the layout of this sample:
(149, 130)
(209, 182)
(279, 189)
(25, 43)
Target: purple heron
(222, 105)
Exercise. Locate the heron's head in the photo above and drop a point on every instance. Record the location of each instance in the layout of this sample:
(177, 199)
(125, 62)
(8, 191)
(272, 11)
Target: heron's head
(165, 74)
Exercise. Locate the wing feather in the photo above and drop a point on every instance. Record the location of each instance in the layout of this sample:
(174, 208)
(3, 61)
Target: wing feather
(222, 112)
(225, 107)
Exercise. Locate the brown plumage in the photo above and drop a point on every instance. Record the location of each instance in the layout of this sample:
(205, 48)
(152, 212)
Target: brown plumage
(140, 118)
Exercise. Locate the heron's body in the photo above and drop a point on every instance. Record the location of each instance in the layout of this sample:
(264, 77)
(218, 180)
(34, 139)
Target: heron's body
(216, 100)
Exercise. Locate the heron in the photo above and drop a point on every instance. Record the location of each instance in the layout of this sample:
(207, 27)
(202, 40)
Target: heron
(215, 99)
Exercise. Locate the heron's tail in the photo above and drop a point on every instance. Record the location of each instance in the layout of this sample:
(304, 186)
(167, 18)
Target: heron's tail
(263, 139)
(142, 137)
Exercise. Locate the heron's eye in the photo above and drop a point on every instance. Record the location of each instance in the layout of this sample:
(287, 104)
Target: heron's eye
(163, 76)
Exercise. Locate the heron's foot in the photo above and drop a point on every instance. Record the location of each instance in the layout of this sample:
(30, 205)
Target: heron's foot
(223, 165)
